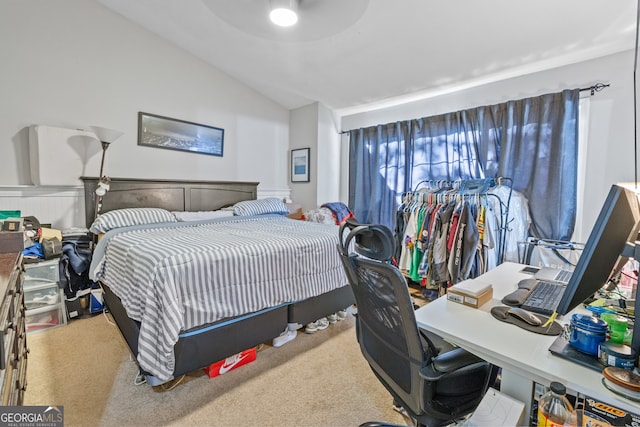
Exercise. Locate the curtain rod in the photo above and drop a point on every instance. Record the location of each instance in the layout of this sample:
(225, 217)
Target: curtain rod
(593, 89)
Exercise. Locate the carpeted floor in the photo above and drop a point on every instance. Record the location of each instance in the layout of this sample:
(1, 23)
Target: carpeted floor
(315, 380)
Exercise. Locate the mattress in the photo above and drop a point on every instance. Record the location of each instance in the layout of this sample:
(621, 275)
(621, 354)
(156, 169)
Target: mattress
(175, 277)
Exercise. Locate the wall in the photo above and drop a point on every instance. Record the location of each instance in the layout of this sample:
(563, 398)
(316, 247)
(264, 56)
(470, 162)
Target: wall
(303, 133)
(62, 207)
(315, 126)
(610, 139)
(74, 63)
(329, 173)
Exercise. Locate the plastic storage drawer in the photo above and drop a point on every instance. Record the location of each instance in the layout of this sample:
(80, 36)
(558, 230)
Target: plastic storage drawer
(41, 294)
(40, 319)
(47, 270)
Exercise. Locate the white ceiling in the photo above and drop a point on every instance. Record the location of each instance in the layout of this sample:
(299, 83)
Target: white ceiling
(359, 55)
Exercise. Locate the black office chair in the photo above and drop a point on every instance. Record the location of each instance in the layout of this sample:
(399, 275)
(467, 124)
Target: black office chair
(434, 381)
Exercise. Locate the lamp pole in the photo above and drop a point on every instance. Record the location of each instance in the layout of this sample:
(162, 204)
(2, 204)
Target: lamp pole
(105, 145)
(106, 137)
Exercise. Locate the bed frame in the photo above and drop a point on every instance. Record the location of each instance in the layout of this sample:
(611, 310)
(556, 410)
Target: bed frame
(202, 346)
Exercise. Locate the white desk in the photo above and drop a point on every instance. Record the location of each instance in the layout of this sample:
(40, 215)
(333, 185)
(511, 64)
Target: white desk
(522, 355)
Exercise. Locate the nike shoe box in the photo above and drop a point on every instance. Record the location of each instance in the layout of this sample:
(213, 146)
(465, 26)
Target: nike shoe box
(472, 293)
(230, 363)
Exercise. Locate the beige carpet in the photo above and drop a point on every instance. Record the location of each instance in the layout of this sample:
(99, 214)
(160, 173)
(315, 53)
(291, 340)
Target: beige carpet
(315, 380)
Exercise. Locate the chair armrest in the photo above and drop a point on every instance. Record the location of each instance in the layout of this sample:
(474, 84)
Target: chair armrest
(448, 362)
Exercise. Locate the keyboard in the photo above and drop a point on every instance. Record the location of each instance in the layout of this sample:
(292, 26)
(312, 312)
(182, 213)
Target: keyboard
(544, 298)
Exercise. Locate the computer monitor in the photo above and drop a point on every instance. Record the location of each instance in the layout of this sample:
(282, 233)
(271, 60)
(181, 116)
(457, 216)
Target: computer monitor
(617, 223)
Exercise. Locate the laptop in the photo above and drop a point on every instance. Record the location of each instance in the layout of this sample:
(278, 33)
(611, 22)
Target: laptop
(551, 274)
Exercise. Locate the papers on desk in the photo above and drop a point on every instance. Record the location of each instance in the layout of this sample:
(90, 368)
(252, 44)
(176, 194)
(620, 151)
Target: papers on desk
(497, 409)
(471, 292)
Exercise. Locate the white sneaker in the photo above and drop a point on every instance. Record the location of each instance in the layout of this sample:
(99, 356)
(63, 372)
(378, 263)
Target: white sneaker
(318, 325)
(342, 314)
(285, 337)
(333, 318)
(322, 324)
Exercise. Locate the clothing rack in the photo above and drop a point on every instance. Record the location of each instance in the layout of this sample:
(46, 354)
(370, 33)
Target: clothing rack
(473, 193)
(477, 187)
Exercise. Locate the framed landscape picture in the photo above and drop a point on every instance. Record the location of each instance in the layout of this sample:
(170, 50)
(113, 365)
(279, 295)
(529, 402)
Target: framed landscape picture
(300, 165)
(174, 134)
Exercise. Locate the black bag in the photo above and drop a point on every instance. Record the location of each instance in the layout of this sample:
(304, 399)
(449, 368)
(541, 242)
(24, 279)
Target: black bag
(31, 223)
(51, 248)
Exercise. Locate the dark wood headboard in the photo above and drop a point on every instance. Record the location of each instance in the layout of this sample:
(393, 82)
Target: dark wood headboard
(172, 195)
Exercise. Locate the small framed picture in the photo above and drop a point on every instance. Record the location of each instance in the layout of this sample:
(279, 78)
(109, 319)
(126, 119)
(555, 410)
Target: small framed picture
(300, 165)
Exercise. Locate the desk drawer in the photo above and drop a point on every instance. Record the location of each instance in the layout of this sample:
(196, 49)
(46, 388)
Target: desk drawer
(7, 331)
(21, 380)
(8, 385)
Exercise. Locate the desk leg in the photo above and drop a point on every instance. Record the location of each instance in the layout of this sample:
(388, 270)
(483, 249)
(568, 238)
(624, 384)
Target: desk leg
(519, 388)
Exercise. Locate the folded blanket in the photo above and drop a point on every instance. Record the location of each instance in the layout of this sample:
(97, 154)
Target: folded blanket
(340, 211)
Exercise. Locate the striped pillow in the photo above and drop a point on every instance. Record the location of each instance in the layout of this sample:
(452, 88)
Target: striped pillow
(270, 205)
(131, 216)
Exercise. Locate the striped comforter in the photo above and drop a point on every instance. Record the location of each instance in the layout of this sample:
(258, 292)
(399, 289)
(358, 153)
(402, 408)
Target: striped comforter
(174, 277)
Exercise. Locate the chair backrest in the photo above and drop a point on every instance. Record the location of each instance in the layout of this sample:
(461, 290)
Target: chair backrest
(386, 327)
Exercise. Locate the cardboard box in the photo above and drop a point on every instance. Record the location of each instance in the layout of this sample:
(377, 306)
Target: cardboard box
(597, 413)
(11, 241)
(475, 301)
(231, 363)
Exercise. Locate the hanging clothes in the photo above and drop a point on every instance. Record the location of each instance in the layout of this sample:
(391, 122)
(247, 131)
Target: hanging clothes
(436, 264)
(465, 245)
(452, 231)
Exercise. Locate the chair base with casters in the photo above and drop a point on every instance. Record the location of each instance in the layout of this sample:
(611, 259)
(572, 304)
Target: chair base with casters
(435, 382)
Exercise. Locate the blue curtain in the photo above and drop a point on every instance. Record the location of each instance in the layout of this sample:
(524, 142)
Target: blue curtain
(534, 141)
(538, 146)
(377, 171)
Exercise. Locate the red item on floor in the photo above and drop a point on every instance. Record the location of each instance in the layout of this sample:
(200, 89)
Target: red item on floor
(231, 363)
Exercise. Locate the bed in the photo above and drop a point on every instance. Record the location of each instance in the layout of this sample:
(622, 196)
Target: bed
(261, 272)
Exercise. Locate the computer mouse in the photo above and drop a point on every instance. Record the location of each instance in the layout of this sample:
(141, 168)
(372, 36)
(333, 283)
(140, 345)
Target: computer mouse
(524, 315)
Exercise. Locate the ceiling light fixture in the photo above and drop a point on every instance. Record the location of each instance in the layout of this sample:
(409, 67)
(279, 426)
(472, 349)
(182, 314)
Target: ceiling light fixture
(284, 12)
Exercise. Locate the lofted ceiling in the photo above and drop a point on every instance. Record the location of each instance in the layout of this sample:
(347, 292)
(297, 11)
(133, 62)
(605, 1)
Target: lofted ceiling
(359, 55)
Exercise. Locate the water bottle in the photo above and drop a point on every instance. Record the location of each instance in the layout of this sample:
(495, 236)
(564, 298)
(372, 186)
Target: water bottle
(554, 410)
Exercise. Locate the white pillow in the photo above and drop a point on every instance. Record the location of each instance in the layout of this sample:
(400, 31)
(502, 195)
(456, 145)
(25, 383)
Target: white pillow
(270, 205)
(130, 216)
(201, 215)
